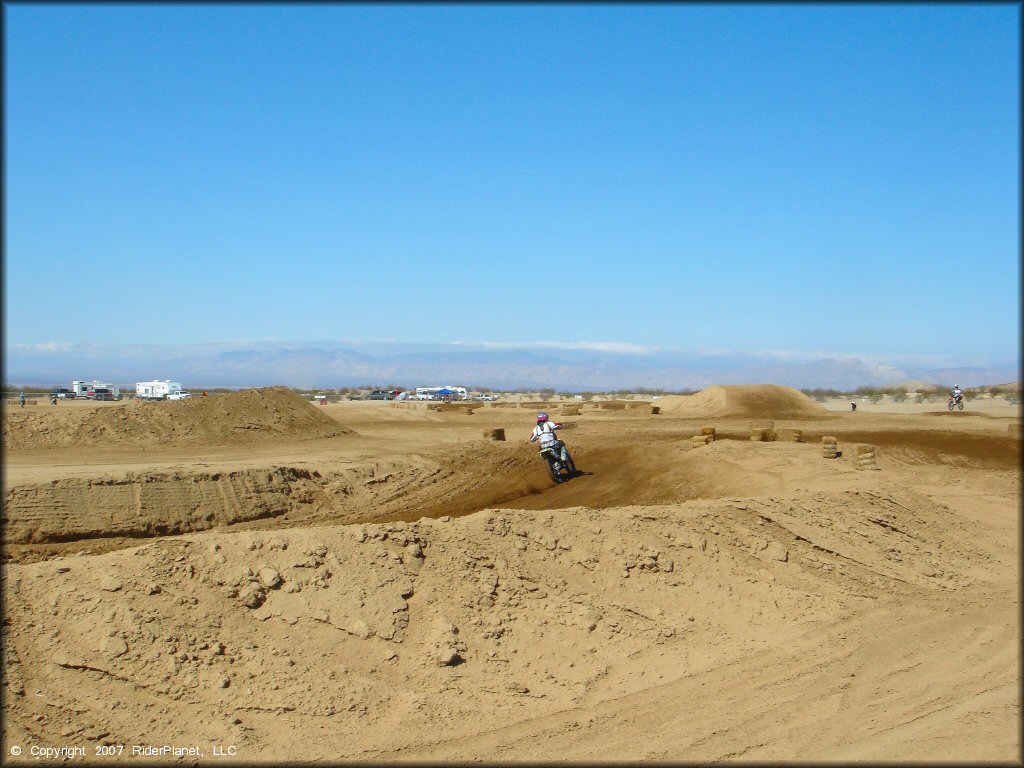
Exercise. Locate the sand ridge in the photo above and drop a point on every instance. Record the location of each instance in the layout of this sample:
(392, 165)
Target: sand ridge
(342, 622)
(251, 415)
(764, 401)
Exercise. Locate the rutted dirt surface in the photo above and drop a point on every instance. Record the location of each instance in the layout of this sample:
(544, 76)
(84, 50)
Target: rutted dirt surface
(407, 590)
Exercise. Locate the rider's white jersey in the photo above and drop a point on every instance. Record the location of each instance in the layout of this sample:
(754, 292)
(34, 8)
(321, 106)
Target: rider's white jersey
(546, 433)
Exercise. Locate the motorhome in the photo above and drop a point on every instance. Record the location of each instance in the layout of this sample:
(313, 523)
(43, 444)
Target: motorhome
(157, 390)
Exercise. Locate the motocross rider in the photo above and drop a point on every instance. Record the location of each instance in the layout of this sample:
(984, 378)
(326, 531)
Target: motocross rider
(545, 432)
(955, 393)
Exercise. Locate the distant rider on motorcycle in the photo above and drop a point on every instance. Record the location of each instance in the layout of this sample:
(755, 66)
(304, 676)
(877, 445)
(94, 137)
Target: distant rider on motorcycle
(545, 432)
(955, 393)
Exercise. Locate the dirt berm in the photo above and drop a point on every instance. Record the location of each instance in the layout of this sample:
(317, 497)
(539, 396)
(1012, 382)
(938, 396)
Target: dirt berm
(379, 640)
(743, 400)
(252, 415)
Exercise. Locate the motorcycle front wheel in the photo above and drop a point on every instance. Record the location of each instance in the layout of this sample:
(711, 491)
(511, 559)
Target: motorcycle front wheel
(960, 406)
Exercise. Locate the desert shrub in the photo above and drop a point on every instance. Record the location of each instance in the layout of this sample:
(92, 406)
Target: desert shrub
(821, 394)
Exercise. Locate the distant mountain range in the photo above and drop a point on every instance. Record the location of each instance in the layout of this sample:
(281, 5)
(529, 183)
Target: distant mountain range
(577, 368)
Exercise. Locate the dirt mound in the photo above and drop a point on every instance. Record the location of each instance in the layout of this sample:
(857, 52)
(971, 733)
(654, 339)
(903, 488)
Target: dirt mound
(252, 415)
(501, 617)
(744, 400)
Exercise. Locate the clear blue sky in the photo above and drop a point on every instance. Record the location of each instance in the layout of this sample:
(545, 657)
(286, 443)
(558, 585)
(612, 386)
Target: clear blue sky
(827, 177)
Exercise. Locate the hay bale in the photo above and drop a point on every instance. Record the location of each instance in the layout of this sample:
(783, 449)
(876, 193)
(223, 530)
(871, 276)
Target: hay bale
(708, 431)
(655, 410)
(568, 425)
(792, 435)
(699, 440)
(865, 453)
(494, 434)
(759, 435)
(829, 447)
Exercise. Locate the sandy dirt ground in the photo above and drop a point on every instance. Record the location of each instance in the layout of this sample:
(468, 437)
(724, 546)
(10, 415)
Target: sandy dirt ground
(259, 579)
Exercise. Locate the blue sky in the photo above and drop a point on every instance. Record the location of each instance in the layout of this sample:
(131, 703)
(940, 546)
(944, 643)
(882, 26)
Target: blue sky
(738, 177)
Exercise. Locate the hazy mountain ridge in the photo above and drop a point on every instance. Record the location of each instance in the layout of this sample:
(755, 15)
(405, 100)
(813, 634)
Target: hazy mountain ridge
(506, 368)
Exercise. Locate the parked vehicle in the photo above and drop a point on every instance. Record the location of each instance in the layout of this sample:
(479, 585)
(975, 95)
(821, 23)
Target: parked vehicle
(99, 393)
(82, 389)
(485, 398)
(159, 389)
(63, 393)
(179, 396)
(380, 394)
(438, 393)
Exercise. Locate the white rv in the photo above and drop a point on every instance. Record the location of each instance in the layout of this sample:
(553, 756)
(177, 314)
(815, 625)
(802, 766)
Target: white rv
(157, 390)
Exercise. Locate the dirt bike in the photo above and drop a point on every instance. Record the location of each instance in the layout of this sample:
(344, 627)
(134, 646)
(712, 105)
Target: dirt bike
(556, 465)
(956, 402)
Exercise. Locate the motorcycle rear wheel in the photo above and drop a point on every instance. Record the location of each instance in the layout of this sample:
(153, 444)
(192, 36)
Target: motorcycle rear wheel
(556, 474)
(570, 465)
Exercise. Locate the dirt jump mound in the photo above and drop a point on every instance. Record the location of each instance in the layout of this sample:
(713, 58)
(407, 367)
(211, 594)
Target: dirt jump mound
(252, 415)
(743, 400)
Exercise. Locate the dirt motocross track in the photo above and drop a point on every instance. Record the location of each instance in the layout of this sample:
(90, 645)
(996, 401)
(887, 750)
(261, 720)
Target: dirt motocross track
(378, 581)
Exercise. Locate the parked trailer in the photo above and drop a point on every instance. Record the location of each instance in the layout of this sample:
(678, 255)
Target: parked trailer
(157, 390)
(96, 390)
